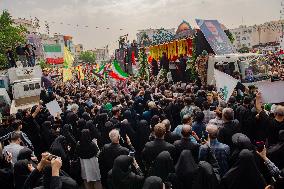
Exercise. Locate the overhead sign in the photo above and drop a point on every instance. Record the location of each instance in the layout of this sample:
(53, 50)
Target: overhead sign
(215, 36)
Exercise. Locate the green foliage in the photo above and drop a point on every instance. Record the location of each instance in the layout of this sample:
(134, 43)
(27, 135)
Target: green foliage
(244, 49)
(10, 36)
(43, 64)
(230, 36)
(88, 57)
(194, 57)
(191, 71)
(143, 71)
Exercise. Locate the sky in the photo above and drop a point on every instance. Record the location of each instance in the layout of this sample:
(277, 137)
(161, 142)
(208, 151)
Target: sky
(127, 16)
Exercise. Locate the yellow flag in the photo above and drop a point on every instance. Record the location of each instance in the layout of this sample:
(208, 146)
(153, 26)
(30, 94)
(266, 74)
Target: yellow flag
(67, 74)
(68, 58)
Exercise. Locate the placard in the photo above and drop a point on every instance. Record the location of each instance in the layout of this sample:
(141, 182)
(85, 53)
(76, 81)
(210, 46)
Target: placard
(53, 108)
(271, 92)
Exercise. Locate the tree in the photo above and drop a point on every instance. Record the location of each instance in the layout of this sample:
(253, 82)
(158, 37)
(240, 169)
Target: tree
(10, 36)
(88, 57)
(143, 70)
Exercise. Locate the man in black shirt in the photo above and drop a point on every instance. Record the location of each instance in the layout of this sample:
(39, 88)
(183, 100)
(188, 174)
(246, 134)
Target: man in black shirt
(10, 57)
(21, 54)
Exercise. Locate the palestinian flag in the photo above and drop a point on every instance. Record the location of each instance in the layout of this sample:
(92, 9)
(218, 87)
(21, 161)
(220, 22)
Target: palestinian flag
(116, 72)
(53, 53)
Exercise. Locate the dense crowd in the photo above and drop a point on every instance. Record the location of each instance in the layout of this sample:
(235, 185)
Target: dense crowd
(143, 135)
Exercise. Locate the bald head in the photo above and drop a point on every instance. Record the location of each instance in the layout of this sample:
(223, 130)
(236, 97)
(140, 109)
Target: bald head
(186, 131)
(212, 131)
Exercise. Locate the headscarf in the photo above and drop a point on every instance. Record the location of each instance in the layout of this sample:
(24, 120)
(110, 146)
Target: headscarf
(186, 168)
(142, 134)
(276, 152)
(101, 120)
(153, 182)
(58, 147)
(66, 132)
(87, 148)
(93, 130)
(81, 123)
(86, 116)
(205, 178)
(244, 174)
(163, 166)
(21, 173)
(121, 170)
(105, 131)
(240, 142)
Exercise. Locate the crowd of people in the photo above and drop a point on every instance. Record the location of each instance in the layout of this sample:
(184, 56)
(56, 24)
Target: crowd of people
(25, 54)
(143, 135)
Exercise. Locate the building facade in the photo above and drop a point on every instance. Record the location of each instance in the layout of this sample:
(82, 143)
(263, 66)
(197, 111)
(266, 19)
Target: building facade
(102, 54)
(78, 49)
(250, 36)
(28, 24)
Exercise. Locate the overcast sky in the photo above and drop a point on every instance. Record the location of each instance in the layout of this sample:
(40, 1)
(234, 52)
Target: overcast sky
(132, 15)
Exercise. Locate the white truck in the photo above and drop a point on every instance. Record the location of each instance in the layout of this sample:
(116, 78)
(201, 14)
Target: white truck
(231, 63)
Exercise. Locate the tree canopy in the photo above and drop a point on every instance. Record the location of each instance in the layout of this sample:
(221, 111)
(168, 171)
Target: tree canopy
(88, 57)
(10, 36)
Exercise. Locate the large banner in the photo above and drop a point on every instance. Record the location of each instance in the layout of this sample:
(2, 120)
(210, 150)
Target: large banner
(215, 36)
(225, 85)
(35, 40)
(53, 53)
(271, 92)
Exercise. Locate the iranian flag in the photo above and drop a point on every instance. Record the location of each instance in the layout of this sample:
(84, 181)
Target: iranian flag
(53, 53)
(116, 72)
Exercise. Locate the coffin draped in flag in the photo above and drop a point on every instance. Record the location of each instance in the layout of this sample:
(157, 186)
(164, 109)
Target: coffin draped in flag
(225, 85)
(116, 72)
(53, 53)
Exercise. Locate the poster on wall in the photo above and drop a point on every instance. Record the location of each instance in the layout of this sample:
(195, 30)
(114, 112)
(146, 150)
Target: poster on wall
(215, 36)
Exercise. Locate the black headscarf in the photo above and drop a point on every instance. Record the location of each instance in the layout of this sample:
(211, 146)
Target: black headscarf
(276, 152)
(93, 130)
(163, 166)
(21, 173)
(153, 182)
(46, 134)
(186, 168)
(86, 116)
(105, 131)
(81, 124)
(101, 120)
(121, 175)
(240, 142)
(205, 178)
(58, 147)
(244, 174)
(66, 132)
(142, 134)
(87, 148)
